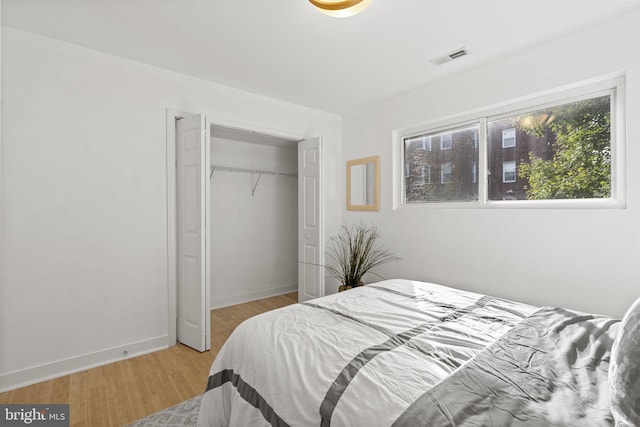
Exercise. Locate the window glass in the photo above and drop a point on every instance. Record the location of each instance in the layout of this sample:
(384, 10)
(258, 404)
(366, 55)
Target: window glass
(445, 141)
(426, 174)
(562, 152)
(508, 138)
(445, 171)
(509, 171)
(426, 143)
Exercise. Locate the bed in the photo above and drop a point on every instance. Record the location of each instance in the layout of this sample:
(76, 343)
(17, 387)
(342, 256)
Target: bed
(408, 353)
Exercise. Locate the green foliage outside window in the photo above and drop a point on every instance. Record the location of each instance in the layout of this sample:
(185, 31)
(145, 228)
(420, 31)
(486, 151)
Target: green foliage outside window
(581, 163)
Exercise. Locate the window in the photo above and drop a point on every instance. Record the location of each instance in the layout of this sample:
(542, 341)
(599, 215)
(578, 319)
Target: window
(430, 173)
(564, 152)
(509, 171)
(509, 138)
(562, 147)
(426, 174)
(445, 173)
(422, 142)
(445, 142)
(426, 143)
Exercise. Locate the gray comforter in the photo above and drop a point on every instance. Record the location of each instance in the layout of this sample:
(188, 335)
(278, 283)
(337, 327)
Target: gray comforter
(548, 370)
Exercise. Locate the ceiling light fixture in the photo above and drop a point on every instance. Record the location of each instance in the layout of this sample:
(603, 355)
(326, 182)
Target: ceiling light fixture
(340, 8)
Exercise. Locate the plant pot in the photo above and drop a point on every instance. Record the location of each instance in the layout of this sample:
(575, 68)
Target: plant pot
(342, 288)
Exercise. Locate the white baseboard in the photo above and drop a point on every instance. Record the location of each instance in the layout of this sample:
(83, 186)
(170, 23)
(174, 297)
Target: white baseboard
(251, 296)
(59, 368)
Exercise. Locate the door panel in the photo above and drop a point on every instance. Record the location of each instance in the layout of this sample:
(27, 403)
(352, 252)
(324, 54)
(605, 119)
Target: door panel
(310, 202)
(192, 212)
(310, 244)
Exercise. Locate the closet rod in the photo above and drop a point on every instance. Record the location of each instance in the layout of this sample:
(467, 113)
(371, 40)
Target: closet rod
(260, 171)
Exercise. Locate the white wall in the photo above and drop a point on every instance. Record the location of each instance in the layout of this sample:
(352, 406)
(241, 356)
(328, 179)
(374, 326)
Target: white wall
(582, 259)
(84, 207)
(254, 235)
(2, 297)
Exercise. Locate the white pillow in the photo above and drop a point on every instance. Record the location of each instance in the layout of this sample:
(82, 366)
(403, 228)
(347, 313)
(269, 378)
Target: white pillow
(624, 370)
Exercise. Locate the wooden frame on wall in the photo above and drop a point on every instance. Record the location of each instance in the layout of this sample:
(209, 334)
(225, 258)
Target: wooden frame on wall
(364, 193)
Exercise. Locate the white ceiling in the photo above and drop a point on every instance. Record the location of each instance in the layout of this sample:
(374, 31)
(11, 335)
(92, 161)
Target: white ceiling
(285, 49)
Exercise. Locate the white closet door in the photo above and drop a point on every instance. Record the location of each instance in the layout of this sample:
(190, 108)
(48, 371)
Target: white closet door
(310, 244)
(193, 224)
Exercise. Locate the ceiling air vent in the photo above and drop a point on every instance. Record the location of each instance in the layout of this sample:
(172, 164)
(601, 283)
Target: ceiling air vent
(450, 56)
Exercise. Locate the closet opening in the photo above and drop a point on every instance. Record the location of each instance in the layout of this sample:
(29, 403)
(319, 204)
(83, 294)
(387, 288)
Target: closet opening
(245, 216)
(254, 216)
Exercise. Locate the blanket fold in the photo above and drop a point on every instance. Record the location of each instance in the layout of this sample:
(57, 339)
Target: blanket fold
(550, 369)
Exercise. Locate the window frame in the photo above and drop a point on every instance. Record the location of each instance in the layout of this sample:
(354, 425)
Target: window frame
(449, 136)
(514, 138)
(504, 172)
(449, 166)
(451, 129)
(613, 85)
(425, 172)
(427, 146)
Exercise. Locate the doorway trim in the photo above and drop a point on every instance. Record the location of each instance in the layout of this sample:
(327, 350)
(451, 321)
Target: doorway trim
(171, 116)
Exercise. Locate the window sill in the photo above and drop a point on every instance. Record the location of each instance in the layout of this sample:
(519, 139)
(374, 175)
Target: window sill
(520, 204)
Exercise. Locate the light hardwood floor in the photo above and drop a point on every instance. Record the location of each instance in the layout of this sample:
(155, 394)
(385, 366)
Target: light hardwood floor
(118, 393)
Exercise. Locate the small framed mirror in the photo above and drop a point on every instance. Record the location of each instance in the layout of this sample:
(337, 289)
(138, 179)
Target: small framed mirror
(363, 184)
